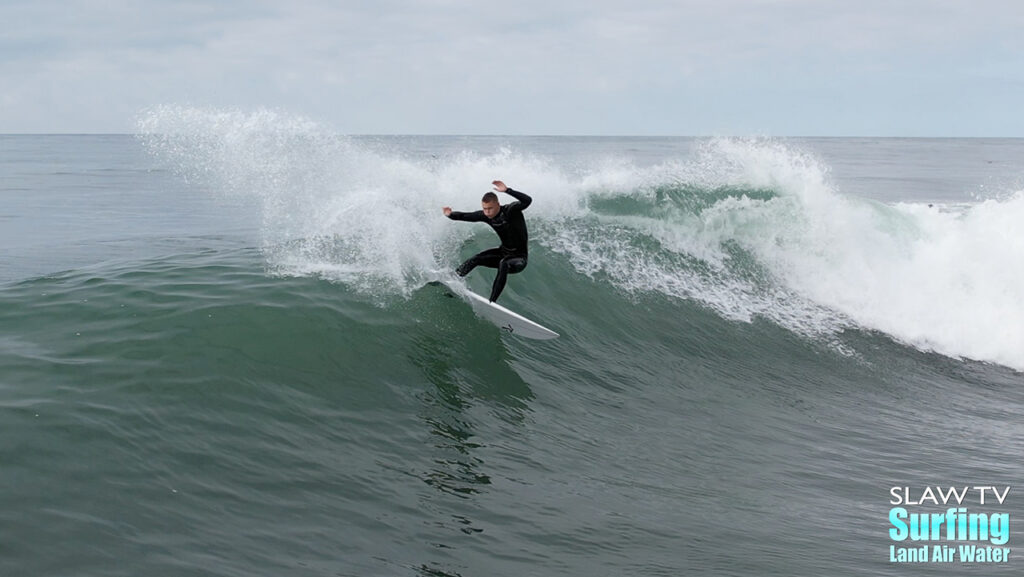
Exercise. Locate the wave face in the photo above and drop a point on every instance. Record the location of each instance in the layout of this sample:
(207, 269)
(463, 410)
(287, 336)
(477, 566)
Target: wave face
(219, 354)
(748, 228)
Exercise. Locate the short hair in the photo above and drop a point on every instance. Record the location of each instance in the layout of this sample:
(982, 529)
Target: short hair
(489, 197)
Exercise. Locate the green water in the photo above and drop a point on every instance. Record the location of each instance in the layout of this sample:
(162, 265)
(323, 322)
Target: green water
(177, 401)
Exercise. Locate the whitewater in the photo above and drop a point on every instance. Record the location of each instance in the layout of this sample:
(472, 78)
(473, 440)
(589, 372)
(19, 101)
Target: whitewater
(748, 228)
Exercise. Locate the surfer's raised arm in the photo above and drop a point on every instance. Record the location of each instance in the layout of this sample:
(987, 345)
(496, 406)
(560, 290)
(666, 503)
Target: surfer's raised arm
(523, 198)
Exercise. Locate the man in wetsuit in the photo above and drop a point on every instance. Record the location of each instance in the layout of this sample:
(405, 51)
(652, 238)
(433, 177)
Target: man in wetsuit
(508, 222)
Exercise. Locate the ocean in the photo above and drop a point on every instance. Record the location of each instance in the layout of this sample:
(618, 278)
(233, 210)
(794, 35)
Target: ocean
(220, 354)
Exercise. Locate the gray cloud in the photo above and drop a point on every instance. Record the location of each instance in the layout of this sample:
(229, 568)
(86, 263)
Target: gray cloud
(453, 66)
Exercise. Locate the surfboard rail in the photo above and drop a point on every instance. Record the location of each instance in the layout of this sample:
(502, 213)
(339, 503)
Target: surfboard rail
(509, 321)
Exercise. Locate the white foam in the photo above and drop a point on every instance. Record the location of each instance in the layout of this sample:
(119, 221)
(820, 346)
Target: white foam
(791, 249)
(943, 279)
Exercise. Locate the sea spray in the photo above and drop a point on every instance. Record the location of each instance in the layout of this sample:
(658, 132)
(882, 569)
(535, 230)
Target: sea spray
(749, 228)
(329, 206)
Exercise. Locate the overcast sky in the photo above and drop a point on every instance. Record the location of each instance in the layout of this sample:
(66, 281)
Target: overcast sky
(645, 67)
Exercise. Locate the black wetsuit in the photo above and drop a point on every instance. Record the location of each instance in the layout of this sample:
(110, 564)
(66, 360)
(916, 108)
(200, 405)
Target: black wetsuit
(510, 257)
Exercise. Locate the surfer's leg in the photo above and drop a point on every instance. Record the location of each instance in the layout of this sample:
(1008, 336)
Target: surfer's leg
(507, 266)
(489, 258)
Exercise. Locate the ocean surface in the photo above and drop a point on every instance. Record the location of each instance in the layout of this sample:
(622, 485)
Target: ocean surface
(219, 354)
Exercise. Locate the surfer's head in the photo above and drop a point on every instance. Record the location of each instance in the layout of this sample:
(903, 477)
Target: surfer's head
(490, 205)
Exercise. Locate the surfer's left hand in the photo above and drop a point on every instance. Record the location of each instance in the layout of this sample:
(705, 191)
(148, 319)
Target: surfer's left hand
(499, 186)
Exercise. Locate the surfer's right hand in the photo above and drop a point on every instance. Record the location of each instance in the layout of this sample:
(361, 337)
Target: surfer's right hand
(447, 211)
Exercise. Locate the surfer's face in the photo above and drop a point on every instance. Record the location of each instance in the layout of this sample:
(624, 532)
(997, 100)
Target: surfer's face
(490, 209)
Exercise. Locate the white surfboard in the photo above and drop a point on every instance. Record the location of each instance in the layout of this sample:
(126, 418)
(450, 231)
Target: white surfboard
(508, 321)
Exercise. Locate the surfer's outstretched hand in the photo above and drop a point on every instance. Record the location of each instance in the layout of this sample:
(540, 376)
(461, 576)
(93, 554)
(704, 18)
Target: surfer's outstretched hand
(499, 186)
(447, 211)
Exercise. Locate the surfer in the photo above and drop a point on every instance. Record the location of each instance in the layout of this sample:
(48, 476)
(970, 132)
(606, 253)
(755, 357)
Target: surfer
(506, 220)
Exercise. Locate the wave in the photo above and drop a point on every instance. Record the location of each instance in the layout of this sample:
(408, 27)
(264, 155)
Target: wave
(748, 228)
